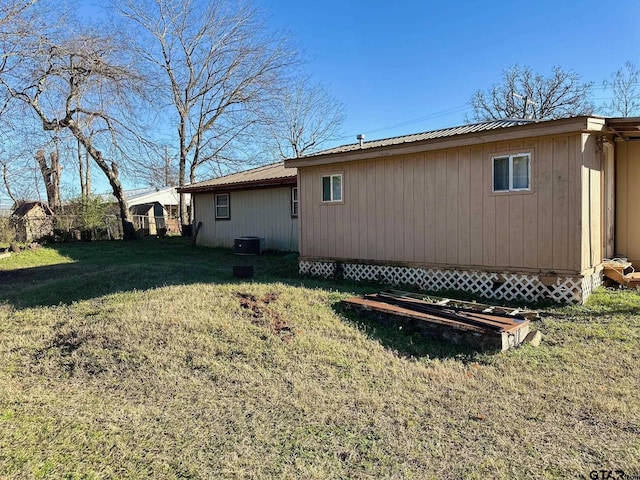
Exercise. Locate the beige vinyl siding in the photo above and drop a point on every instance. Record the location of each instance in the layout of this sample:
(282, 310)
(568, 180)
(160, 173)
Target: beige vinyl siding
(262, 213)
(438, 208)
(627, 236)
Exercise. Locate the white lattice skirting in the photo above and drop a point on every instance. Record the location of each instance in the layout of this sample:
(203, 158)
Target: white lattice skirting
(502, 286)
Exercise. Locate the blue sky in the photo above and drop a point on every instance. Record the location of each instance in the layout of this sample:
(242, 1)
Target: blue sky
(410, 66)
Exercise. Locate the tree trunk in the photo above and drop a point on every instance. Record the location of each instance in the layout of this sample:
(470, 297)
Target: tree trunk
(51, 177)
(54, 160)
(83, 188)
(128, 230)
(167, 169)
(184, 213)
(5, 178)
(87, 172)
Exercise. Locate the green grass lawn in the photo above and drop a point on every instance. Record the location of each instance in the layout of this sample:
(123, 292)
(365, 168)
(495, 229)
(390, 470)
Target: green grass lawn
(148, 359)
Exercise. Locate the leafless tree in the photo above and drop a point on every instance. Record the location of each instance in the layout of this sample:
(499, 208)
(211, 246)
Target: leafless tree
(84, 168)
(21, 176)
(158, 169)
(304, 119)
(15, 22)
(12, 10)
(20, 179)
(625, 86)
(51, 176)
(217, 66)
(7, 181)
(77, 83)
(525, 94)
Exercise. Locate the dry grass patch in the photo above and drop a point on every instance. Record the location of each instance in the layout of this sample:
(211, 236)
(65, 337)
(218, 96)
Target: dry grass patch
(268, 380)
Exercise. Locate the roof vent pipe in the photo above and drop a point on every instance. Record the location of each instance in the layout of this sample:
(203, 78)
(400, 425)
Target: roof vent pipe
(360, 138)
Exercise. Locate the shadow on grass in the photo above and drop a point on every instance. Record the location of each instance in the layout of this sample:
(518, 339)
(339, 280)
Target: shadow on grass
(102, 268)
(405, 342)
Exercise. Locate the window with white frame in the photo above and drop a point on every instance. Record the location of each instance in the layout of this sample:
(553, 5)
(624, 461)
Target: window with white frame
(512, 173)
(222, 206)
(332, 188)
(294, 202)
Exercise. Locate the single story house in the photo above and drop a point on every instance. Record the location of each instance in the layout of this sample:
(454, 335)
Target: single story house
(508, 209)
(261, 202)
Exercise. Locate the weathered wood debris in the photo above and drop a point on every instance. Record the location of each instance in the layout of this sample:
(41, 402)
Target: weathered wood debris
(621, 272)
(476, 325)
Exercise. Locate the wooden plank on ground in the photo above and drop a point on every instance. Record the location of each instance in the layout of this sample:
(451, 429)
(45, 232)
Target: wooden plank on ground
(528, 314)
(454, 324)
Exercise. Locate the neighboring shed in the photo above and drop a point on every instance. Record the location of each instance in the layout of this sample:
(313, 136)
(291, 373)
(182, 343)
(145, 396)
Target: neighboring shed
(33, 220)
(140, 202)
(150, 218)
(513, 209)
(168, 197)
(261, 202)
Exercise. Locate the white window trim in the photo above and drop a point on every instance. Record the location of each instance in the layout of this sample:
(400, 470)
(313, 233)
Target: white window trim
(295, 202)
(510, 156)
(228, 205)
(332, 176)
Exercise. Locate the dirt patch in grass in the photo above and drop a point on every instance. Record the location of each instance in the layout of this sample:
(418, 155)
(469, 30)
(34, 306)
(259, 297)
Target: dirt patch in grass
(87, 349)
(177, 376)
(264, 315)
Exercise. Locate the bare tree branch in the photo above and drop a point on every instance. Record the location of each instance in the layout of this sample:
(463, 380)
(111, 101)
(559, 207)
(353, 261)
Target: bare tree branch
(525, 94)
(625, 86)
(303, 119)
(219, 66)
(7, 183)
(66, 71)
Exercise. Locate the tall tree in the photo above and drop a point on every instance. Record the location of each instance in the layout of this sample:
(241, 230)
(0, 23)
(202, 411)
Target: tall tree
(21, 176)
(10, 10)
(84, 168)
(303, 119)
(51, 176)
(217, 66)
(158, 169)
(12, 22)
(80, 85)
(525, 94)
(7, 183)
(625, 87)
(16, 22)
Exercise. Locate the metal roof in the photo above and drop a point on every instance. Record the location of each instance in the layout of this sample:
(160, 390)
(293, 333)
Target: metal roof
(625, 127)
(165, 196)
(417, 137)
(140, 196)
(272, 174)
